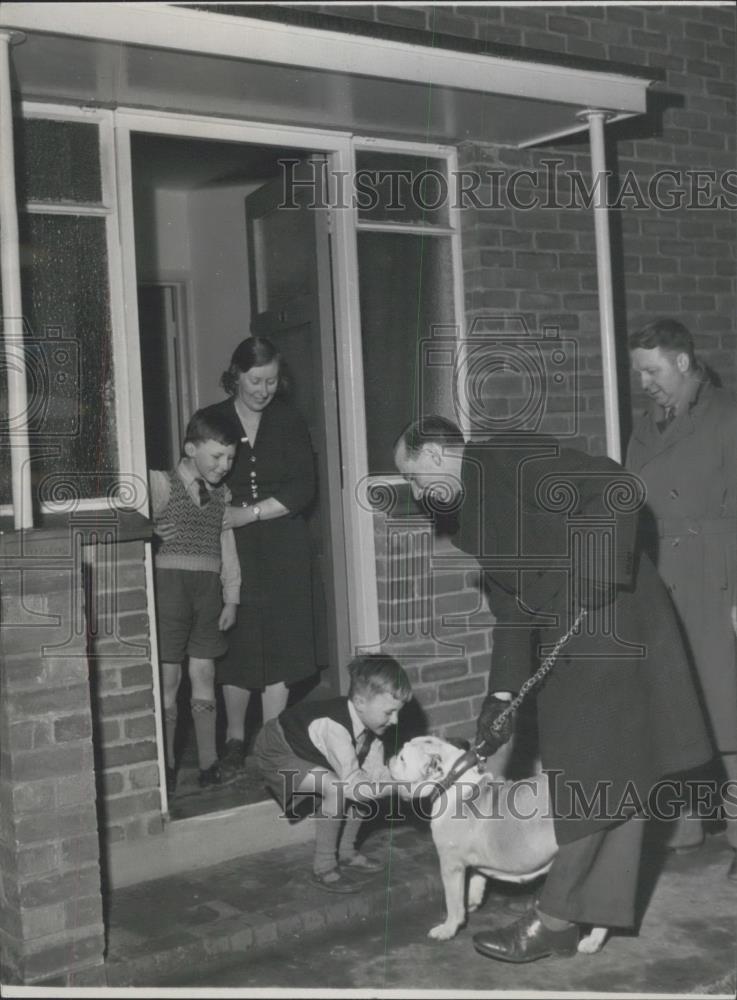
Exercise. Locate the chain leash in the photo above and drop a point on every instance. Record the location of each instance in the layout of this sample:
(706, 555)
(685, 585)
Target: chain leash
(472, 757)
(543, 670)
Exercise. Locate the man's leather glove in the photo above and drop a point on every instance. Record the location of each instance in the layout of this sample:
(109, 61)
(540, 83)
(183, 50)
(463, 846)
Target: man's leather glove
(488, 741)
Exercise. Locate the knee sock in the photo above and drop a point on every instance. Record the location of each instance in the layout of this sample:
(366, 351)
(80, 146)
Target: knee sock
(203, 716)
(170, 728)
(350, 835)
(327, 829)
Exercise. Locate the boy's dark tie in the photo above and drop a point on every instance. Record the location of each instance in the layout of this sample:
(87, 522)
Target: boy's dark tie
(204, 492)
(363, 745)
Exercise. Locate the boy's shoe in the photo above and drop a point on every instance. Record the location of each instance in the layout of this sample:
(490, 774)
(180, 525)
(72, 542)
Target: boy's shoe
(233, 757)
(334, 880)
(360, 862)
(210, 776)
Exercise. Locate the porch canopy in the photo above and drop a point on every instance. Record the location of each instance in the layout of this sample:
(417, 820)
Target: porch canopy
(366, 78)
(289, 66)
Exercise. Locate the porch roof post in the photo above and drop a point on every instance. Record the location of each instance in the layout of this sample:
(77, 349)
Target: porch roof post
(596, 119)
(12, 302)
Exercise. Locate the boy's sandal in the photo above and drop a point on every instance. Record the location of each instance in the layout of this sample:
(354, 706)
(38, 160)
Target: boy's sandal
(362, 862)
(333, 881)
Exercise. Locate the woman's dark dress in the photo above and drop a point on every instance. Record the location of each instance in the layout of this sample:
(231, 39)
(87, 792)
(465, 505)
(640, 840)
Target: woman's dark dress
(273, 638)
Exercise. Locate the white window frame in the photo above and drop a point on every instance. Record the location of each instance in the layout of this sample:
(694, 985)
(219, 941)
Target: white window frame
(107, 210)
(449, 155)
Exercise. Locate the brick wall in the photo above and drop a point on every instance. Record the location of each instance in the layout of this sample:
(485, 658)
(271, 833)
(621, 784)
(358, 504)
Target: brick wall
(435, 621)
(122, 694)
(51, 928)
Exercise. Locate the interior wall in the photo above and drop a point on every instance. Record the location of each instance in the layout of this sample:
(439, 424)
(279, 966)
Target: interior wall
(221, 303)
(199, 237)
(162, 233)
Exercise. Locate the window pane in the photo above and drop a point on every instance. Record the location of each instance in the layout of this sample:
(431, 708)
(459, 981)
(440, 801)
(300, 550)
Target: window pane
(57, 161)
(406, 289)
(66, 305)
(394, 187)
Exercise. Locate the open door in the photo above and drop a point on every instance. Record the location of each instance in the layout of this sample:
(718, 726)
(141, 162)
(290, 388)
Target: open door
(292, 305)
(164, 418)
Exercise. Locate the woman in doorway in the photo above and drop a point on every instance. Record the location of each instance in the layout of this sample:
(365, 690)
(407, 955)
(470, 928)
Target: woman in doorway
(272, 482)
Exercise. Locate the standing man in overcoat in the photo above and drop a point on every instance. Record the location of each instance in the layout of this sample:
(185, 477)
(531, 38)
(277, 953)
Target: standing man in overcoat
(618, 711)
(684, 448)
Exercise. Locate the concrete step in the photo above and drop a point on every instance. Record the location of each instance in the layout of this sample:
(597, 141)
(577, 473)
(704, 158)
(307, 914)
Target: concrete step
(161, 926)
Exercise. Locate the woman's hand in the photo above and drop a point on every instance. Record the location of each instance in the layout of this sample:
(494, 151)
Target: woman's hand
(236, 517)
(166, 530)
(266, 510)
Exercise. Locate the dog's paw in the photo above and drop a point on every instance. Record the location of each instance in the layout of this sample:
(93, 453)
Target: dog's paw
(593, 941)
(444, 932)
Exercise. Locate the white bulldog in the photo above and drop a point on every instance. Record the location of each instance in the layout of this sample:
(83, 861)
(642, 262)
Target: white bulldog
(501, 829)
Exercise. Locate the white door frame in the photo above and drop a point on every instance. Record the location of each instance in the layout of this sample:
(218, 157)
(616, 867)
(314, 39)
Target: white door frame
(358, 522)
(178, 355)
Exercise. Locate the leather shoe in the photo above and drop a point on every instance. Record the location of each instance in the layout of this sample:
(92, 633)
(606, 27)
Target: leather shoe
(526, 940)
(361, 862)
(233, 760)
(732, 870)
(210, 776)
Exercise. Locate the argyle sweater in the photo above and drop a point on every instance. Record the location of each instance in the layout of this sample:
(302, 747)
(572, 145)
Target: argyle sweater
(196, 545)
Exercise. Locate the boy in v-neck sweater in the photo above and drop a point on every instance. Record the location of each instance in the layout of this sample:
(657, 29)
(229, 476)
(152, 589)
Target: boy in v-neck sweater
(198, 579)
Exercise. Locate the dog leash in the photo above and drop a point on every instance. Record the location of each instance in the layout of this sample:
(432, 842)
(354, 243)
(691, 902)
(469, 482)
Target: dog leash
(473, 757)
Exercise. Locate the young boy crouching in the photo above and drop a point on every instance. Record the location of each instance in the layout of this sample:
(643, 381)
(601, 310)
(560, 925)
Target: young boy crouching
(332, 749)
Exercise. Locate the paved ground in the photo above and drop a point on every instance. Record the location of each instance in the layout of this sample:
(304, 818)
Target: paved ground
(257, 923)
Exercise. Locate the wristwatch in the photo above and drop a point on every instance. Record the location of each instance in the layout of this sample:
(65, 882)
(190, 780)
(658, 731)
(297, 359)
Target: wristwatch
(256, 511)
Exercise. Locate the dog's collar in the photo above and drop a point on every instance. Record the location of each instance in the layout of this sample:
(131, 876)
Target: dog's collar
(471, 758)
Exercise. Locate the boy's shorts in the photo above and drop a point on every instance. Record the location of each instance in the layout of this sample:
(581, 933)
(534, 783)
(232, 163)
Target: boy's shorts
(283, 771)
(188, 607)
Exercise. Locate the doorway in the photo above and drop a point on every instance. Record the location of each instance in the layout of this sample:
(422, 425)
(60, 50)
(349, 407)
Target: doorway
(214, 264)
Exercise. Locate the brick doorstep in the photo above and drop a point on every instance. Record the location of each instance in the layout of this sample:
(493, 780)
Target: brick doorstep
(292, 912)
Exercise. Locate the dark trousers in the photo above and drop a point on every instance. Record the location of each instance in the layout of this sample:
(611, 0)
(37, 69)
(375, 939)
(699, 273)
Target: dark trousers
(594, 880)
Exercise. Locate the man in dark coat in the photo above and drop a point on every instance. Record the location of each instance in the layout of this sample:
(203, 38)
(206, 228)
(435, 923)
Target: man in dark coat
(684, 448)
(553, 530)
